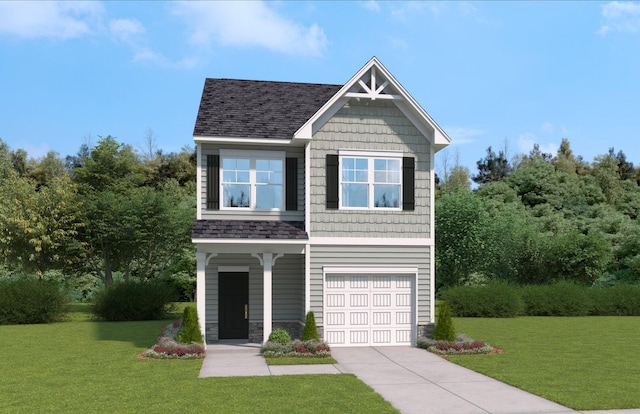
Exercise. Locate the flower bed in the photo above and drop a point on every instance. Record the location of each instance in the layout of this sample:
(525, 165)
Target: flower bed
(461, 346)
(168, 347)
(297, 348)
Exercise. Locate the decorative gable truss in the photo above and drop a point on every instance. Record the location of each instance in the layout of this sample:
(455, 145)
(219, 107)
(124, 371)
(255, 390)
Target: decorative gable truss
(373, 82)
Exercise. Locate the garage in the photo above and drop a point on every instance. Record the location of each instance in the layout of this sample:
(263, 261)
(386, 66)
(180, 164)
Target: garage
(369, 309)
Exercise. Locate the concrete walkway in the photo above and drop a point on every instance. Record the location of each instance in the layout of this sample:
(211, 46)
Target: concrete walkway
(411, 379)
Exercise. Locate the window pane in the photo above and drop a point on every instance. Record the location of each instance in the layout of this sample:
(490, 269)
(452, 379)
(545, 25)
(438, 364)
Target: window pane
(386, 170)
(386, 196)
(354, 170)
(355, 195)
(243, 164)
(269, 196)
(242, 177)
(236, 195)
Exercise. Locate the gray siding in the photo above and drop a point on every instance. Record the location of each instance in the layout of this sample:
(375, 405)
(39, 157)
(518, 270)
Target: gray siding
(370, 256)
(288, 286)
(370, 126)
(292, 152)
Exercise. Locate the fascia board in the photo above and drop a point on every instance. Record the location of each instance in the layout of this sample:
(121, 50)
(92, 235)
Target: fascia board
(241, 141)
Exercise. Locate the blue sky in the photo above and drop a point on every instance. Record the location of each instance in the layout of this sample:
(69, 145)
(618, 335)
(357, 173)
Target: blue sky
(489, 73)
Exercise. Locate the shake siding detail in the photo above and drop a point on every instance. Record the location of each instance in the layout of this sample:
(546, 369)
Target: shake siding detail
(370, 256)
(288, 286)
(283, 215)
(369, 126)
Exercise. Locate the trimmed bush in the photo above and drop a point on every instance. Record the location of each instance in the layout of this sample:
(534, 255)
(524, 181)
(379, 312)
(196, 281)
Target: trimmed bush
(560, 299)
(280, 336)
(310, 330)
(190, 330)
(496, 299)
(134, 301)
(444, 330)
(619, 300)
(28, 301)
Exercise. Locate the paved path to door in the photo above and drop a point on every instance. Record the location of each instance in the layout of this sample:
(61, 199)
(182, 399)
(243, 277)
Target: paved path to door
(413, 380)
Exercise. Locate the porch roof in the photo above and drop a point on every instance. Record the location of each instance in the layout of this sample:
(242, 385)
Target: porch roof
(249, 229)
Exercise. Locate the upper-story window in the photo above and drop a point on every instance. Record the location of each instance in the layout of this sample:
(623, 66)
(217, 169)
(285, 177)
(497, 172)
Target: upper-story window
(370, 180)
(252, 180)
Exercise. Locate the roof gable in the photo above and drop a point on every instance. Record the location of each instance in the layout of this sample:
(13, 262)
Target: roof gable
(373, 82)
(232, 108)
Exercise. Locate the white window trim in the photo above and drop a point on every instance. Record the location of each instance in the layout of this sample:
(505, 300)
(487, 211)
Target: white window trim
(369, 155)
(252, 156)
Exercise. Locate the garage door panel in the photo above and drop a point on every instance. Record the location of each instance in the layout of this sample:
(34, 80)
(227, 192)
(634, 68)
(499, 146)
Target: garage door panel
(359, 318)
(359, 300)
(335, 318)
(382, 318)
(359, 337)
(381, 336)
(335, 300)
(369, 309)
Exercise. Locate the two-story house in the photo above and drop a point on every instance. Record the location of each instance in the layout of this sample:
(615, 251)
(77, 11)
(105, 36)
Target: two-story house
(315, 197)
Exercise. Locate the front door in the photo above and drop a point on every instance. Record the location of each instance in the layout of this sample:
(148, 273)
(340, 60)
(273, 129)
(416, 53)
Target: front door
(233, 310)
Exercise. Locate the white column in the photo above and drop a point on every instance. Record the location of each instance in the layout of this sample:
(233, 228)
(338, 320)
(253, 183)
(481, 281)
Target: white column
(267, 294)
(201, 289)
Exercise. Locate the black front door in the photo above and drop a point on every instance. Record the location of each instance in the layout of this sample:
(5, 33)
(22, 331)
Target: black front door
(233, 308)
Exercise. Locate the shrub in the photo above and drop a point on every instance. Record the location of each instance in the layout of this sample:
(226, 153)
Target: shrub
(190, 331)
(560, 299)
(310, 330)
(280, 336)
(309, 348)
(134, 301)
(619, 300)
(27, 301)
(444, 330)
(496, 299)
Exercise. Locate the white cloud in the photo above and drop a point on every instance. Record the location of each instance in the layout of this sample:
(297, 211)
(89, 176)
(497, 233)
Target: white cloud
(620, 17)
(372, 5)
(49, 19)
(527, 140)
(547, 128)
(463, 135)
(253, 23)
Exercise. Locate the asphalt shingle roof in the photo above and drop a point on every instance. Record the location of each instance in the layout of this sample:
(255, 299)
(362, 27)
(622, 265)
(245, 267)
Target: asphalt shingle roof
(258, 109)
(248, 229)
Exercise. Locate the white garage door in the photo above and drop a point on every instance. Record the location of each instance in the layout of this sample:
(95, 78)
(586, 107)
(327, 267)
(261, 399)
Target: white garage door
(368, 310)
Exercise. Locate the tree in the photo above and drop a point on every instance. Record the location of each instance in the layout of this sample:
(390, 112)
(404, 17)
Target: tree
(460, 243)
(492, 167)
(110, 166)
(564, 160)
(39, 226)
(458, 179)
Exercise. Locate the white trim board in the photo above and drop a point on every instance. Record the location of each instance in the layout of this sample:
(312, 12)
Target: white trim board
(369, 241)
(233, 269)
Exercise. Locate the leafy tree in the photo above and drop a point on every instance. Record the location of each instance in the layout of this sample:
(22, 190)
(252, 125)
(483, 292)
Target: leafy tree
(492, 167)
(38, 229)
(460, 225)
(458, 179)
(110, 166)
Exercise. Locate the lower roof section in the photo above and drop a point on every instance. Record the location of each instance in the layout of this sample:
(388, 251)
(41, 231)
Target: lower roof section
(248, 229)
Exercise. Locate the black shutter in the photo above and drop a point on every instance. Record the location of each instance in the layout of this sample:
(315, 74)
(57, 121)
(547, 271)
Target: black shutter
(213, 182)
(332, 181)
(408, 183)
(291, 181)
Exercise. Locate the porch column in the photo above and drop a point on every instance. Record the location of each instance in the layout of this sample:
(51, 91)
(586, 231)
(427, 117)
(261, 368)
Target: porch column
(267, 262)
(201, 259)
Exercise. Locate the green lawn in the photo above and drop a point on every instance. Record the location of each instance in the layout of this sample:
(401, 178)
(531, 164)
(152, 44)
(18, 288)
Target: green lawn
(91, 367)
(586, 363)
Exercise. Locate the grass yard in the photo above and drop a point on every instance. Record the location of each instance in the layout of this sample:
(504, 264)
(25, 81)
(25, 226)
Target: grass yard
(91, 367)
(586, 363)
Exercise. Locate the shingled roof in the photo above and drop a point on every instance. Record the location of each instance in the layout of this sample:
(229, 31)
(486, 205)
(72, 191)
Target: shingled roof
(248, 229)
(258, 109)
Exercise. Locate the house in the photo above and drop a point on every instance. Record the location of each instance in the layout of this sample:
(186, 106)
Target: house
(315, 197)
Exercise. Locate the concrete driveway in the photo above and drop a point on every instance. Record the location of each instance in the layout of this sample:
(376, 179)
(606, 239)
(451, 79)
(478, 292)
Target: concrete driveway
(416, 381)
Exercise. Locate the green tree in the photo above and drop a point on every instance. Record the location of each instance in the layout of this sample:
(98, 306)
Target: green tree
(460, 243)
(110, 166)
(493, 167)
(39, 227)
